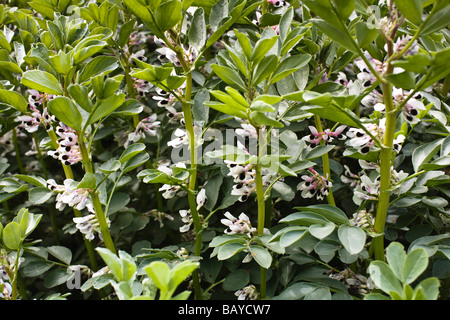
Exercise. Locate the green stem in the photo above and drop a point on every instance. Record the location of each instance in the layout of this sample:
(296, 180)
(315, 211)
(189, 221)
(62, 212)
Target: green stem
(69, 175)
(189, 125)
(325, 162)
(385, 173)
(101, 218)
(261, 205)
(39, 153)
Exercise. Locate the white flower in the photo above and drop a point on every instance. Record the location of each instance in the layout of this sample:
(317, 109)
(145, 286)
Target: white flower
(201, 198)
(180, 138)
(240, 225)
(186, 217)
(7, 290)
(247, 293)
(87, 226)
(78, 198)
(169, 191)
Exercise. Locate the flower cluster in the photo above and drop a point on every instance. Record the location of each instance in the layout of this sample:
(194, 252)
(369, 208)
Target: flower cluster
(240, 225)
(30, 122)
(146, 126)
(366, 183)
(186, 215)
(88, 225)
(356, 283)
(69, 194)
(364, 143)
(68, 151)
(315, 138)
(315, 185)
(247, 293)
(362, 219)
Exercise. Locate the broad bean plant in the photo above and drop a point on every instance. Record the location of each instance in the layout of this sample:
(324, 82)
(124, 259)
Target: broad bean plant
(224, 149)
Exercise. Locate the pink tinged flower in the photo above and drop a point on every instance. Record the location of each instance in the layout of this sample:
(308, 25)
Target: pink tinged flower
(315, 185)
(140, 55)
(247, 293)
(278, 3)
(240, 225)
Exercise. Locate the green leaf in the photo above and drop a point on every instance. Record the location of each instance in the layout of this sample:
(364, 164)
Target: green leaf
(112, 261)
(12, 236)
(429, 288)
(292, 39)
(168, 14)
(383, 277)
(229, 76)
(127, 265)
(106, 107)
(330, 212)
(262, 46)
(135, 162)
(261, 106)
(228, 100)
(229, 249)
(227, 109)
(236, 95)
(341, 37)
(14, 99)
(80, 94)
(197, 31)
(100, 65)
(261, 256)
(61, 253)
(88, 182)
(131, 151)
(292, 237)
(439, 20)
(264, 68)
(352, 238)
(404, 80)
(181, 271)
(39, 195)
(439, 68)
(233, 15)
(245, 43)
(41, 81)
(236, 280)
(321, 231)
(411, 10)
(415, 264)
(423, 154)
(395, 257)
(159, 272)
(261, 118)
(304, 219)
(66, 111)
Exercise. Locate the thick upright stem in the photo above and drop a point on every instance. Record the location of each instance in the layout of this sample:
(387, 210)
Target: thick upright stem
(385, 173)
(189, 124)
(261, 204)
(101, 218)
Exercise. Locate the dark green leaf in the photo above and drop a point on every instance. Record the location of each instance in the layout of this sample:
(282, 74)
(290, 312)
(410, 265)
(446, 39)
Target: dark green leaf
(41, 81)
(14, 99)
(66, 111)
